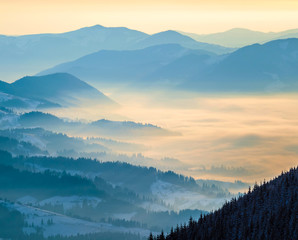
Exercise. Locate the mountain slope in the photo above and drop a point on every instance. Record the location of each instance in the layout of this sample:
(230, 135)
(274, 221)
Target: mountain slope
(61, 88)
(79, 188)
(124, 67)
(99, 37)
(271, 67)
(240, 37)
(181, 69)
(268, 67)
(9, 100)
(4, 86)
(31, 220)
(173, 37)
(169, 188)
(268, 212)
(103, 127)
(28, 54)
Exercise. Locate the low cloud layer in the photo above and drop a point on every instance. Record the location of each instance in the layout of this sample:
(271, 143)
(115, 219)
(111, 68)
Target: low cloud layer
(226, 138)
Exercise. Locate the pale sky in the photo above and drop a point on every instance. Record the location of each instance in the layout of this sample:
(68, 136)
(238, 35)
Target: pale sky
(19, 17)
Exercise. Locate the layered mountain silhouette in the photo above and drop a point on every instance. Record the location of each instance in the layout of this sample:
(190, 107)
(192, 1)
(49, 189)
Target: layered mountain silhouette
(240, 37)
(268, 67)
(102, 127)
(61, 88)
(124, 67)
(174, 37)
(29, 54)
(87, 197)
(10, 100)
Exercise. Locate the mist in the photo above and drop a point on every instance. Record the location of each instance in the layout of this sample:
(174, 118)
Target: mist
(223, 137)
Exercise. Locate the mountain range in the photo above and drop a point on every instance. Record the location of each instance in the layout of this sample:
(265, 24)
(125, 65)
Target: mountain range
(29, 54)
(109, 67)
(240, 37)
(270, 67)
(64, 179)
(102, 127)
(71, 192)
(173, 37)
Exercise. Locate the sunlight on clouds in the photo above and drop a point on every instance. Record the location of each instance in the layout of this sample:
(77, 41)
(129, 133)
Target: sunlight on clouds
(255, 135)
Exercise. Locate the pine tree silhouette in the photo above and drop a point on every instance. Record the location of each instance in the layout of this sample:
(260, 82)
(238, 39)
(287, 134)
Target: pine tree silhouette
(269, 211)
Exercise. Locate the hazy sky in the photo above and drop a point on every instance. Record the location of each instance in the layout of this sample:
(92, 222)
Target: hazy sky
(199, 16)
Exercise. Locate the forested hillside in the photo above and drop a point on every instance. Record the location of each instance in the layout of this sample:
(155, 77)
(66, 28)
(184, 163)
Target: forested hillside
(269, 211)
(57, 197)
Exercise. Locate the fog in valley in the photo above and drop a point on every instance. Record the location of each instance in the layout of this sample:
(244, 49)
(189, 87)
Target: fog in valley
(113, 133)
(223, 137)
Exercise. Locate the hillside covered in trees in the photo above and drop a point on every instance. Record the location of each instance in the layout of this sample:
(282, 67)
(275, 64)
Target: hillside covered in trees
(269, 211)
(64, 198)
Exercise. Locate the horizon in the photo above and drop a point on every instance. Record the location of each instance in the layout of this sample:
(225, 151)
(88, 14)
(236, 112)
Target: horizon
(176, 30)
(32, 17)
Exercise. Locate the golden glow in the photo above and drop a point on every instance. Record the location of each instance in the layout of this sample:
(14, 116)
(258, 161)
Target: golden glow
(35, 16)
(212, 128)
(255, 133)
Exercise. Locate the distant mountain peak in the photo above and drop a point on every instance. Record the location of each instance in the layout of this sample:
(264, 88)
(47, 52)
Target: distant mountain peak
(241, 30)
(94, 27)
(97, 26)
(169, 33)
(57, 78)
(62, 87)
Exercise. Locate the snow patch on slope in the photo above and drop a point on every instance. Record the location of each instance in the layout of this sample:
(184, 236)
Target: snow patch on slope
(71, 201)
(125, 216)
(179, 199)
(64, 225)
